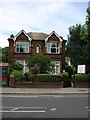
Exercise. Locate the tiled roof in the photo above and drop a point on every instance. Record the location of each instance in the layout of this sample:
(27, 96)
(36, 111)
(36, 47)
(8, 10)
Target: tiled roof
(37, 36)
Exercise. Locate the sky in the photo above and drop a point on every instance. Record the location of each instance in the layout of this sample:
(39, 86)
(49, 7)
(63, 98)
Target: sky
(40, 16)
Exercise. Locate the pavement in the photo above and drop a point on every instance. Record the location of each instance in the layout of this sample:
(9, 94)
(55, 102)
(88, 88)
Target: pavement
(44, 91)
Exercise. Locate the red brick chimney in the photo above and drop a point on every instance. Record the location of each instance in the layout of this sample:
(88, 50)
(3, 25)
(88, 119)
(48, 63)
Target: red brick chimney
(11, 47)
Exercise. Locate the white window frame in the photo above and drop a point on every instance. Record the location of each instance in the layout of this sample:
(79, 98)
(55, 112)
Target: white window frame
(25, 68)
(25, 46)
(49, 47)
(56, 67)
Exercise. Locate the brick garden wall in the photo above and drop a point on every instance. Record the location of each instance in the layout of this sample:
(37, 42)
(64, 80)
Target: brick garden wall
(39, 85)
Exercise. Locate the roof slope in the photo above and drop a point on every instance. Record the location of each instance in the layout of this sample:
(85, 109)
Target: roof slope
(37, 36)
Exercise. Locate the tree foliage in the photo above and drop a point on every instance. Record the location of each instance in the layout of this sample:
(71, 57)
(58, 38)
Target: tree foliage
(42, 61)
(15, 66)
(78, 47)
(5, 54)
(75, 49)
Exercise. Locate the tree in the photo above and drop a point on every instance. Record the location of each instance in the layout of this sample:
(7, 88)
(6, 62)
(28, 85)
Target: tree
(5, 54)
(78, 48)
(15, 66)
(75, 47)
(88, 23)
(85, 36)
(42, 61)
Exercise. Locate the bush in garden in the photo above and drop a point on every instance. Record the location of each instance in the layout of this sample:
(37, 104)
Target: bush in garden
(80, 78)
(65, 74)
(69, 69)
(18, 75)
(66, 79)
(88, 77)
(27, 74)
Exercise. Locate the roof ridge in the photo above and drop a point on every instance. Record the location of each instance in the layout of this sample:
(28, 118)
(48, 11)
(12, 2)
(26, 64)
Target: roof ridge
(38, 32)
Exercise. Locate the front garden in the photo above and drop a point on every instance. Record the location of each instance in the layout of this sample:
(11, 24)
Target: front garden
(38, 79)
(50, 80)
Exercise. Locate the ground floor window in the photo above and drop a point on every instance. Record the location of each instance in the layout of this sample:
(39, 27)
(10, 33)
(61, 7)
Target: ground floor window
(56, 67)
(25, 68)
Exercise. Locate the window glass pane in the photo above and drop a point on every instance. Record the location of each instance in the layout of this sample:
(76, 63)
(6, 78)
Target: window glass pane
(53, 50)
(27, 44)
(53, 44)
(26, 68)
(37, 49)
(57, 62)
(17, 49)
(22, 49)
(26, 50)
(48, 44)
(48, 49)
(57, 44)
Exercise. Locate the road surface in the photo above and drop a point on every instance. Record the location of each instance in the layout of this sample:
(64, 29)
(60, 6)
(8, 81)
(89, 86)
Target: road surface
(45, 106)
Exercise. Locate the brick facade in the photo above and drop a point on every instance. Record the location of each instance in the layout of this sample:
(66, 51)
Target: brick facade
(34, 40)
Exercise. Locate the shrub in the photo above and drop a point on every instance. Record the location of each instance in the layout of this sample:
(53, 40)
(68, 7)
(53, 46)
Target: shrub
(69, 69)
(66, 74)
(18, 75)
(27, 74)
(45, 78)
(88, 77)
(80, 78)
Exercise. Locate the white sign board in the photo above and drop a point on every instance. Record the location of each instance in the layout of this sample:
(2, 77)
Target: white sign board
(81, 69)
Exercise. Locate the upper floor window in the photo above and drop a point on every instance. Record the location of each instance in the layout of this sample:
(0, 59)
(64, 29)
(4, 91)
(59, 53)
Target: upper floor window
(22, 47)
(37, 49)
(53, 47)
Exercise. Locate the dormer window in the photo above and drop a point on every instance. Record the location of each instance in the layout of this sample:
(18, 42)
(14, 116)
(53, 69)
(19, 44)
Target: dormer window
(53, 47)
(22, 47)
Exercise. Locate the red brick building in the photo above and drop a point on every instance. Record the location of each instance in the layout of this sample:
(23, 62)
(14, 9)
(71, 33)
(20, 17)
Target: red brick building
(25, 45)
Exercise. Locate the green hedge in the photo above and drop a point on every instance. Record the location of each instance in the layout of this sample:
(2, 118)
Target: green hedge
(81, 78)
(45, 78)
(18, 76)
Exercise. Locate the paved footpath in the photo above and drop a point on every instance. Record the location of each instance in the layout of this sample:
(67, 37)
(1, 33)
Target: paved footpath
(46, 91)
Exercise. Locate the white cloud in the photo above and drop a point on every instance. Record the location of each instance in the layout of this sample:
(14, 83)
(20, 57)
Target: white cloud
(3, 40)
(43, 17)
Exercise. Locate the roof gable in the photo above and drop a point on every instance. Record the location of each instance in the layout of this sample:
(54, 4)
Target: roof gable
(22, 32)
(53, 33)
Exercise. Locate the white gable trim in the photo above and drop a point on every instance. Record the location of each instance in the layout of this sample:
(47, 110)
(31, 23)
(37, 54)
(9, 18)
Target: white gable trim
(53, 32)
(22, 31)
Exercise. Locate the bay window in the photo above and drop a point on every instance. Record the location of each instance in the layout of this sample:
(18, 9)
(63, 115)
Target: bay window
(53, 47)
(22, 47)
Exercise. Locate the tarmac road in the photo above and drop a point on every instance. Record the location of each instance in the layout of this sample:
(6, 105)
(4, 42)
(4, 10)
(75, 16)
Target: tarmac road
(45, 106)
